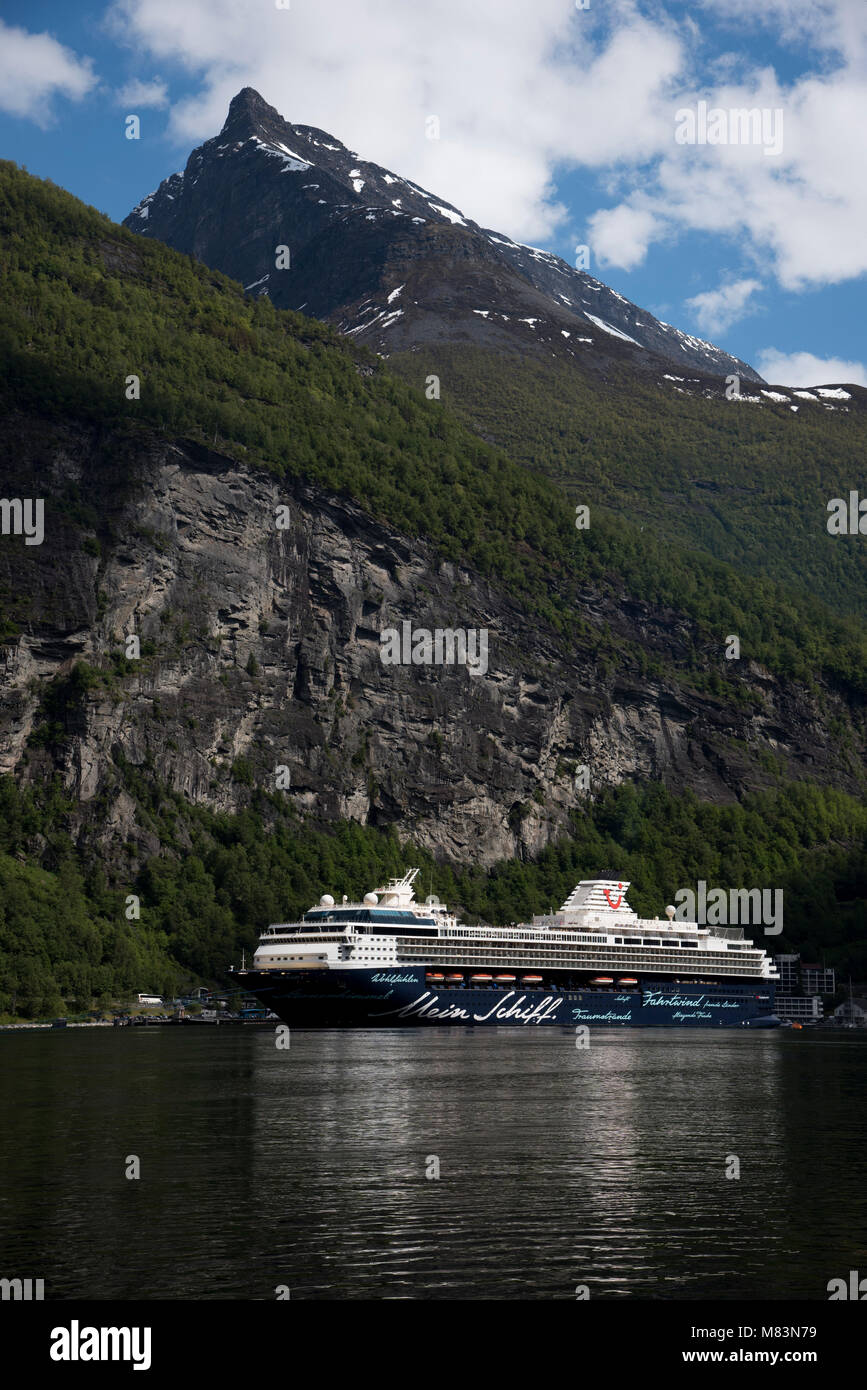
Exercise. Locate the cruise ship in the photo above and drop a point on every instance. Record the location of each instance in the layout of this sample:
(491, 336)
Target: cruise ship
(392, 962)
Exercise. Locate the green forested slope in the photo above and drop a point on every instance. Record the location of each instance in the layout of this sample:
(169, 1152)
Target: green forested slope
(84, 304)
(745, 483)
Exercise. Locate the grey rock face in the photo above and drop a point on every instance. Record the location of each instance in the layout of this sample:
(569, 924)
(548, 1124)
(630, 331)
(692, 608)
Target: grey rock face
(261, 649)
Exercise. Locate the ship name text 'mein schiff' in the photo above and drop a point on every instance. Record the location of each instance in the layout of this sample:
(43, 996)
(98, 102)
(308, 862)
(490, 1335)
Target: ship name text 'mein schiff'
(392, 962)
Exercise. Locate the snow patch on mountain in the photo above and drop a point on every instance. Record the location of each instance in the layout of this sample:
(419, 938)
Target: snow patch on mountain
(606, 328)
(454, 217)
(294, 163)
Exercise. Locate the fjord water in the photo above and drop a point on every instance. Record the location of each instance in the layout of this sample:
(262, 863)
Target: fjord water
(306, 1167)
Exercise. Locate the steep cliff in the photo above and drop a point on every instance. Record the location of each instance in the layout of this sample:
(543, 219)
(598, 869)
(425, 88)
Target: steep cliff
(260, 649)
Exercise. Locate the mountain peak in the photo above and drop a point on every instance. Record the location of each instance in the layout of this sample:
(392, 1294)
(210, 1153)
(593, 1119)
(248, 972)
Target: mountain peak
(361, 237)
(250, 109)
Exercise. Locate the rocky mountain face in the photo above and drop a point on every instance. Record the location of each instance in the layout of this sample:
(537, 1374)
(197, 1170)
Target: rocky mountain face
(260, 649)
(388, 262)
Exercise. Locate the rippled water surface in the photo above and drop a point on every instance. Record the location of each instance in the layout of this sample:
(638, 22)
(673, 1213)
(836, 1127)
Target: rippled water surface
(307, 1167)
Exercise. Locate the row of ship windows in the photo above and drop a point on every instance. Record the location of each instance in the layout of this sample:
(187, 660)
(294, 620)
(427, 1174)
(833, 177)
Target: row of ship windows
(300, 941)
(651, 941)
(619, 945)
(618, 951)
(622, 952)
(730, 966)
(546, 938)
(582, 960)
(614, 957)
(541, 937)
(306, 956)
(593, 959)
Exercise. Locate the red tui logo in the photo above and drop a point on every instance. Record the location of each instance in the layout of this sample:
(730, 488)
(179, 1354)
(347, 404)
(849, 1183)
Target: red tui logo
(614, 906)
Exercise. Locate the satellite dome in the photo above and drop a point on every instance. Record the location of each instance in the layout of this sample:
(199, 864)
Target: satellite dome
(670, 911)
(370, 899)
(326, 900)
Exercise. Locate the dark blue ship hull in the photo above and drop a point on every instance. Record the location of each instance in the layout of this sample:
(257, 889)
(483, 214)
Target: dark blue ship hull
(401, 998)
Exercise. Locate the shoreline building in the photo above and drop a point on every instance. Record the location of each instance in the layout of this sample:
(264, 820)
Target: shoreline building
(852, 1012)
(799, 996)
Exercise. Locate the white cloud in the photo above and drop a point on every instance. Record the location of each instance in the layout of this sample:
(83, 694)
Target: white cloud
(794, 369)
(138, 93)
(523, 91)
(35, 68)
(621, 236)
(518, 88)
(800, 213)
(803, 211)
(717, 310)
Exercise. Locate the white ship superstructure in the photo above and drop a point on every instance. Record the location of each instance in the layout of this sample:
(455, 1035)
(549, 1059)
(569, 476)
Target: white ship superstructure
(595, 931)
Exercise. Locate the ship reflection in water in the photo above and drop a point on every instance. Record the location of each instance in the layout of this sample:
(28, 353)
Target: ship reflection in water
(557, 1166)
(307, 1167)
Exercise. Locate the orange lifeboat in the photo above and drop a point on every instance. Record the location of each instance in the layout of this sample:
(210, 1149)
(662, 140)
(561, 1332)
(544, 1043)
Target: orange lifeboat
(480, 979)
(602, 980)
(454, 979)
(627, 980)
(434, 979)
(504, 979)
(531, 979)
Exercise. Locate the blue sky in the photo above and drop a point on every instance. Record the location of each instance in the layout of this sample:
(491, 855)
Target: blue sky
(557, 126)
